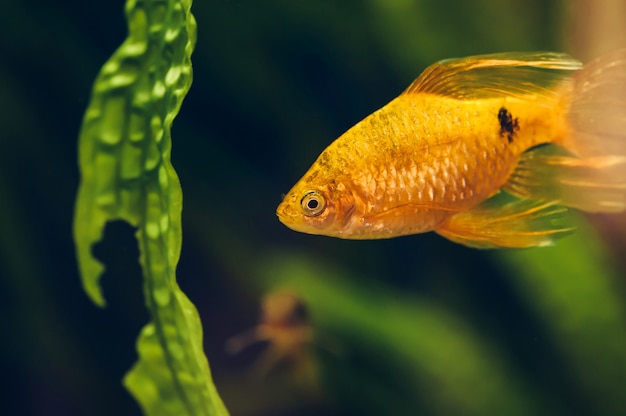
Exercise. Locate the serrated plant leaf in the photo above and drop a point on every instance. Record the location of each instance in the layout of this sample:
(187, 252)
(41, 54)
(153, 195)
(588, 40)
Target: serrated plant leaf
(124, 158)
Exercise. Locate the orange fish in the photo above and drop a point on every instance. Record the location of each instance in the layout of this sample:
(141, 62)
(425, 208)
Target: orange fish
(487, 151)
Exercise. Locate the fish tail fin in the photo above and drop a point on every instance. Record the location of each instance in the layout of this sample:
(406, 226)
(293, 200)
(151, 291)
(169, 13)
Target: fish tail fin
(597, 111)
(591, 175)
(597, 123)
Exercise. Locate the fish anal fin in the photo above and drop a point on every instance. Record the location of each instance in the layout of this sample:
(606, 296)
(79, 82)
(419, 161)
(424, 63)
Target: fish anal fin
(594, 184)
(505, 221)
(515, 74)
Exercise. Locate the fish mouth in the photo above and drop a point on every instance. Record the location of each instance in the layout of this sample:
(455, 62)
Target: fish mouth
(293, 221)
(283, 216)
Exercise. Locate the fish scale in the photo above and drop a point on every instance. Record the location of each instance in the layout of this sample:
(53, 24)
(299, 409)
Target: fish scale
(433, 167)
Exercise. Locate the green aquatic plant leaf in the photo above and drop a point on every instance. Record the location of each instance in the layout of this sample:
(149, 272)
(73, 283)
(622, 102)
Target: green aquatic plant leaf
(576, 291)
(124, 156)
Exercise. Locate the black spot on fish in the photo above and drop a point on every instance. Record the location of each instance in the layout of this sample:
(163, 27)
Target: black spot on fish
(508, 125)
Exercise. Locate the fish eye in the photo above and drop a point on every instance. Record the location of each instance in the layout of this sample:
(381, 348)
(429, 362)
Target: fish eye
(313, 203)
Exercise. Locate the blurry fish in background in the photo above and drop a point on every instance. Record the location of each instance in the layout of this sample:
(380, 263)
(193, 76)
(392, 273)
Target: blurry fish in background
(284, 325)
(487, 151)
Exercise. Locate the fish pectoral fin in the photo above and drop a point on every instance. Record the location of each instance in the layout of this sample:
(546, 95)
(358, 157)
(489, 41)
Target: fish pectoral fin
(594, 184)
(496, 75)
(507, 221)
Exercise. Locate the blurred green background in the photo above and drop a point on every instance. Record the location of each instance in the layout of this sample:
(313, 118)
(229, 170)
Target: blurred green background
(415, 325)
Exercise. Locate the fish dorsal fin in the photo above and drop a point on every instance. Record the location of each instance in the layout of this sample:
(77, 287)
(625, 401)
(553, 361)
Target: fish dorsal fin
(496, 75)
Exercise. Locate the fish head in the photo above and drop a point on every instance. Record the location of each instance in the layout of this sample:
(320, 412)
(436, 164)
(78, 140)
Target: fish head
(318, 206)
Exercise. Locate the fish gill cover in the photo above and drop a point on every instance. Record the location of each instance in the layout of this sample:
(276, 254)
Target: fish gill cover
(124, 157)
